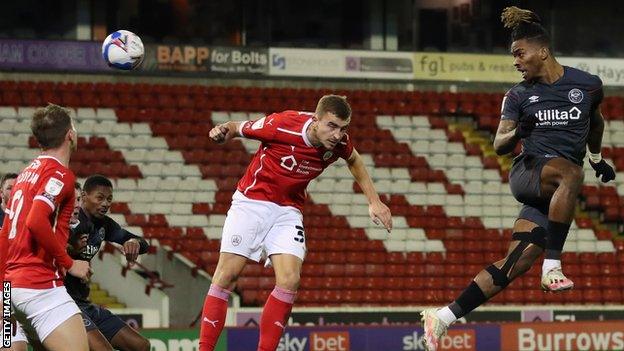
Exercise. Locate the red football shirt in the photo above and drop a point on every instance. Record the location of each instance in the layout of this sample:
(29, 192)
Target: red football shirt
(28, 265)
(286, 161)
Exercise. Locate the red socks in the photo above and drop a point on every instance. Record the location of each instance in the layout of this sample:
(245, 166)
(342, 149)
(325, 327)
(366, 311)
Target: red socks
(213, 317)
(274, 317)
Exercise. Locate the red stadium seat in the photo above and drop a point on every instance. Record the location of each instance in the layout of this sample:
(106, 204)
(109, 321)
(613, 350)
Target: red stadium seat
(593, 296)
(352, 296)
(250, 297)
(334, 270)
(354, 270)
(246, 283)
(375, 270)
(612, 296)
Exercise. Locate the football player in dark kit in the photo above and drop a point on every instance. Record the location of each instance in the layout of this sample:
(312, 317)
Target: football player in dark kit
(555, 111)
(105, 331)
(6, 184)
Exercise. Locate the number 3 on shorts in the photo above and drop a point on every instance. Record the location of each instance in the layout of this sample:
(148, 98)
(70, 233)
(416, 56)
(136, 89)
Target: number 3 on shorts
(300, 236)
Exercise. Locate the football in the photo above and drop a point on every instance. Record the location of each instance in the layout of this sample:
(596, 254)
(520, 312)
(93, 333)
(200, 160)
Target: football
(123, 50)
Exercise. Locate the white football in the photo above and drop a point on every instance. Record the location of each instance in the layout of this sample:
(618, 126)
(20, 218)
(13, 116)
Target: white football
(123, 49)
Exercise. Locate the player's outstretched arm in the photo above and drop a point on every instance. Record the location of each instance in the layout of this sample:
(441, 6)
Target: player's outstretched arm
(225, 132)
(377, 210)
(594, 144)
(506, 137)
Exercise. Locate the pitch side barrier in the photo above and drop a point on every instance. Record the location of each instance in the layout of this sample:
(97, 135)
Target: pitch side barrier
(248, 62)
(541, 336)
(561, 336)
(409, 315)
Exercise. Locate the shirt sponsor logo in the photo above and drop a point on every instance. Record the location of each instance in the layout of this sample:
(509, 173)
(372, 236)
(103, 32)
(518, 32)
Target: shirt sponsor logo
(288, 162)
(554, 117)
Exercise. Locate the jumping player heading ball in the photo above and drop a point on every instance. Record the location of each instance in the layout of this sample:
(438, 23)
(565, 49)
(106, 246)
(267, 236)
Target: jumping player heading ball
(555, 111)
(266, 208)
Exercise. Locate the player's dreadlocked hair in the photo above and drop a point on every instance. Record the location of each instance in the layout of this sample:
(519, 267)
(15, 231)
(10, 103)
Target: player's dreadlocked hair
(524, 24)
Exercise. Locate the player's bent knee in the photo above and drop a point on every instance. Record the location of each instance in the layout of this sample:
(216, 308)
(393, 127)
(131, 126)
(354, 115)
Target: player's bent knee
(224, 278)
(499, 278)
(537, 236)
(530, 246)
(520, 259)
(289, 280)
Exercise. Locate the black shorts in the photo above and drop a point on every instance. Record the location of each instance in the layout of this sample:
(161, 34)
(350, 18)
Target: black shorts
(96, 317)
(525, 183)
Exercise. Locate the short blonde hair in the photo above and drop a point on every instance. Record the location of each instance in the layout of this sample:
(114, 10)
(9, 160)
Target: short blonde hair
(335, 104)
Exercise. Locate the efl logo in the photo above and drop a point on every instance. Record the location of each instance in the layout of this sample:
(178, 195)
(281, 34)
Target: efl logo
(329, 341)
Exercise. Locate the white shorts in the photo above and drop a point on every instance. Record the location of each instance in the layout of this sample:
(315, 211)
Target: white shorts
(18, 333)
(253, 227)
(45, 309)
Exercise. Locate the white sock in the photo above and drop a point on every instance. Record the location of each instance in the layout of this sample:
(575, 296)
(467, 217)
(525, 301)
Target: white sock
(550, 264)
(446, 315)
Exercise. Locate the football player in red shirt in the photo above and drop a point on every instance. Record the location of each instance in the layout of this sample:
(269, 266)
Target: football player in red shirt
(266, 211)
(34, 235)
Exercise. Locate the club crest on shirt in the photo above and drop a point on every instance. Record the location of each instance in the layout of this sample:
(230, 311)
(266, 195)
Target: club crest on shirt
(575, 95)
(327, 155)
(101, 233)
(236, 240)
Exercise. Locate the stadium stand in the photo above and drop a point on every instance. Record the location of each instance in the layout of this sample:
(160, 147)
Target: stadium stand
(431, 159)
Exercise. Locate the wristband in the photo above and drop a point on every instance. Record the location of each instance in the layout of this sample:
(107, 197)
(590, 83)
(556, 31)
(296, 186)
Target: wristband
(595, 158)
